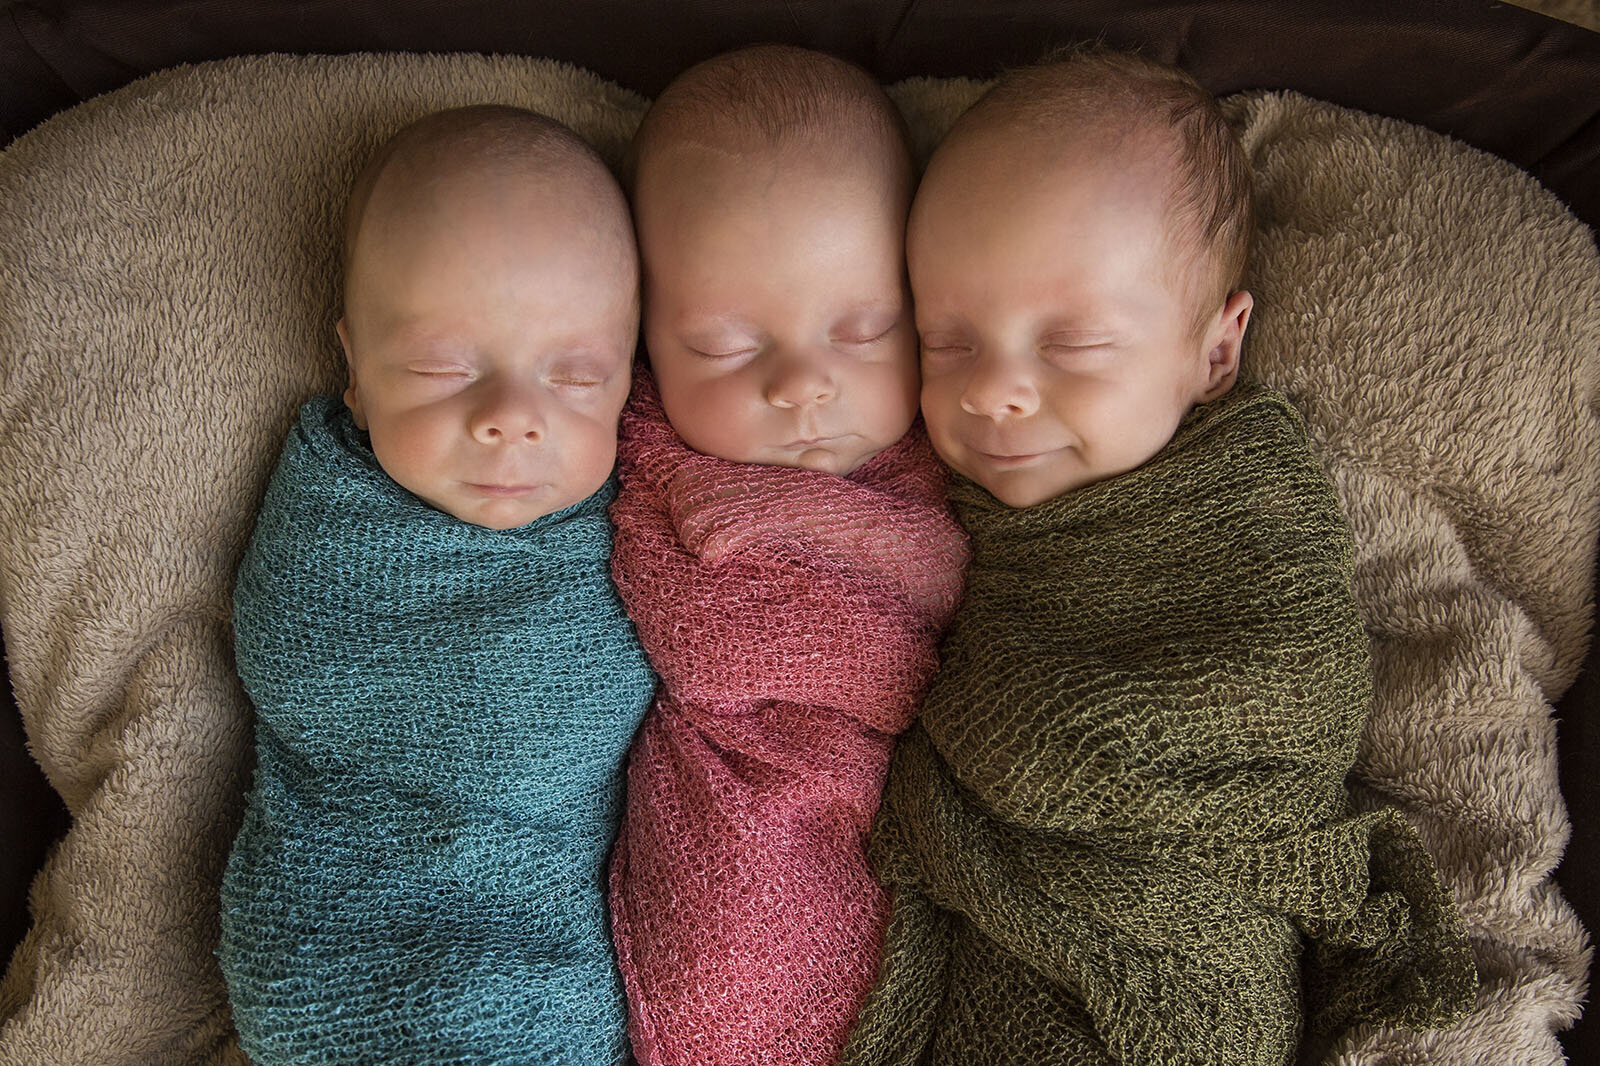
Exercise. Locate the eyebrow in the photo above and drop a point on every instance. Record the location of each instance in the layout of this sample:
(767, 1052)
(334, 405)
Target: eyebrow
(872, 307)
(871, 312)
(1096, 328)
(687, 321)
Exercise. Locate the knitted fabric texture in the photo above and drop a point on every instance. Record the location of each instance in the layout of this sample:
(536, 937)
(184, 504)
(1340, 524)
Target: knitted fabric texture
(1120, 825)
(794, 618)
(442, 715)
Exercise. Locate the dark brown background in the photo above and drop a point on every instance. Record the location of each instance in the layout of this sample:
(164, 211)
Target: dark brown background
(1506, 80)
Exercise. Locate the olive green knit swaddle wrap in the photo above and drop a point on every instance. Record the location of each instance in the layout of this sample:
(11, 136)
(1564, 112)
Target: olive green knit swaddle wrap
(1120, 831)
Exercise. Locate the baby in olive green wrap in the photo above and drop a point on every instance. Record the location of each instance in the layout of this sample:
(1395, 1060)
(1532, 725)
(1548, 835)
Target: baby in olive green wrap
(1120, 832)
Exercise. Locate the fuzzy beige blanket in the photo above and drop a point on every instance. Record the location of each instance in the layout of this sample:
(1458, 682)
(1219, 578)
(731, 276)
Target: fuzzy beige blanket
(1585, 13)
(167, 299)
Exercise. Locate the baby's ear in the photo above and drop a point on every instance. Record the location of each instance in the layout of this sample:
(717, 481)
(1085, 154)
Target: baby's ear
(352, 396)
(1225, 344)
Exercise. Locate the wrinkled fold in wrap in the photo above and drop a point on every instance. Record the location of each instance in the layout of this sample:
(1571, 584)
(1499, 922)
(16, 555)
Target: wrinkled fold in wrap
(793, 617)
(442, 716)
(1120, 832)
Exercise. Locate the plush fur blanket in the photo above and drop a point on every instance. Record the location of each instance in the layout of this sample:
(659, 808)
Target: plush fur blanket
(168, 287)
(1584, 13)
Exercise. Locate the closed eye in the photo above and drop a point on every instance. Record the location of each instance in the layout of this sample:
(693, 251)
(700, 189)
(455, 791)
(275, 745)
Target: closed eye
(730, 353)
(577, 375)
(440, 370)
(1076, 352)
(1074, 339)
(865, 337)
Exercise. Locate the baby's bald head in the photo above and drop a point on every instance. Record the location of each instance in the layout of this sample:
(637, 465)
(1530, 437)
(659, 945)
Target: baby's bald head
(767, 99)
(467, 151)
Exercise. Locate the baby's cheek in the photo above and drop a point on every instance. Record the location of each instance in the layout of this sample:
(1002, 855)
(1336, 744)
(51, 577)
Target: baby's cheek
(937, 407)
(949, 451)
(702, 413)
(590, 453)
(403, 450)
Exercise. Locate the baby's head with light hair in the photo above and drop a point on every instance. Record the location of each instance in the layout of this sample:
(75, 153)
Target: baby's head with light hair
(1076, 250)
(1098, 99)
(491, 308)
(770, 191)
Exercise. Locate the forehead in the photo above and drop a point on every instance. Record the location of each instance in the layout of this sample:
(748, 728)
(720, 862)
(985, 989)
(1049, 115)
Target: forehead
(464, 214)
(1000, 162)
(1003, 192)
(1018, 209)
(711, 219)
(700, 182)
(486, 271)
(418, 193)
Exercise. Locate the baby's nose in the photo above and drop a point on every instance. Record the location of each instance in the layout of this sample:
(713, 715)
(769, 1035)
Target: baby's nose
(800, 379)
(506, 413)
(997, 391)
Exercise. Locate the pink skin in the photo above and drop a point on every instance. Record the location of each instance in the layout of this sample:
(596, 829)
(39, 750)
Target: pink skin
(1059, 345)
(489, 335)
(776, 313)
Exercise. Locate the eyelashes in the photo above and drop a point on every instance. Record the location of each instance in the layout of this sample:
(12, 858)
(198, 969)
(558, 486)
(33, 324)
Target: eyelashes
(707, 351)
(860, 341)
(935, 346)
(579, 378)
(1060, 349)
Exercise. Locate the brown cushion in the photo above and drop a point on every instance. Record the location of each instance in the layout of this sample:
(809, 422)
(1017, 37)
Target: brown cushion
(1504, 79)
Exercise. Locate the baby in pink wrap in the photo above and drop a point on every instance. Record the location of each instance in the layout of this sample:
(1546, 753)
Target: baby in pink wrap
(784, 547)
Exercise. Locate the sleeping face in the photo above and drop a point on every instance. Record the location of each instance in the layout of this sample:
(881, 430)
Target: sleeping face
(1059, 343)
(489, 333)
(776, 313)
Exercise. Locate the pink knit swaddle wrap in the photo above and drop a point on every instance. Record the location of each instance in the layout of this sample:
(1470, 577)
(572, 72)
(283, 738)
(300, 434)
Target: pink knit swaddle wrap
(794, 619)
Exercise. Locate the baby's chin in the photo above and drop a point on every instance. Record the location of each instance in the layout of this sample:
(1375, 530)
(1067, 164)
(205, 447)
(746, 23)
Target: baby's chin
(500, 514)
(827, 462)
(1030, 488)
(1020, 497)
(842, 460)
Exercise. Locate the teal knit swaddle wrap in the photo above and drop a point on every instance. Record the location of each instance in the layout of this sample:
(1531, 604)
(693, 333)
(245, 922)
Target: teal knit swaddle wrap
(443, 711)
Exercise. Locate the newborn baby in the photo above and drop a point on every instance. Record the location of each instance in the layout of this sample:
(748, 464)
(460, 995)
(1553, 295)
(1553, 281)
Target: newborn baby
(1119, 832)
(784, 547)
(444, 680)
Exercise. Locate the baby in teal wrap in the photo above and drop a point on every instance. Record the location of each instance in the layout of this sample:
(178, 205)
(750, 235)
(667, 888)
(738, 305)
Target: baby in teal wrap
(445, 682)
